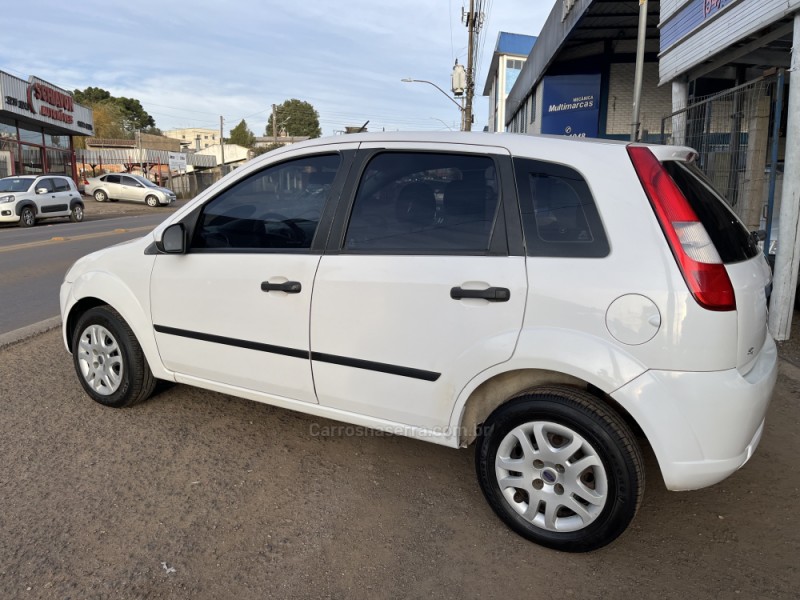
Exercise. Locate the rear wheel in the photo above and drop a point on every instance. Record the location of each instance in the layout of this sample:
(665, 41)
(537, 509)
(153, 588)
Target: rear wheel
(100, 196)
(27, 217)
(560, 469)
(151, 200)
(109, 361)
(76, 214)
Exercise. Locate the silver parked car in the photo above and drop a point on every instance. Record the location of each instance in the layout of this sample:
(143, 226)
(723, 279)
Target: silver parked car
(124, 186)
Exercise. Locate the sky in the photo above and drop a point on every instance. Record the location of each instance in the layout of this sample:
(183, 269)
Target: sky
(190, 62)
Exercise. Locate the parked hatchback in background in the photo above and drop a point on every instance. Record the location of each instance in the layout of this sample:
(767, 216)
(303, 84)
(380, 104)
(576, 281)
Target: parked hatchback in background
(123, 186)
(543, 298)
(25, 199)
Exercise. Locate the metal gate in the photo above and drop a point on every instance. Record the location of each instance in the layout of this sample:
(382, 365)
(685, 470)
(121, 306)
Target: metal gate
(735, 135)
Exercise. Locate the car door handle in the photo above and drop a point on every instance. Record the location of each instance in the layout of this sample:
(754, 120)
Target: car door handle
(290, 287)
(492, 294)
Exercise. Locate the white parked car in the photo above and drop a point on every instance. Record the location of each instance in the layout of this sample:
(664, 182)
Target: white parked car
(124, 186)
(545, 299)
(25, 199)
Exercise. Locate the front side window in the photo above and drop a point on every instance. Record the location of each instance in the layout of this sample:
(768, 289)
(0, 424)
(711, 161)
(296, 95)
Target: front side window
(45, 184)
(130, 181)
(424, 203)
(277, 208)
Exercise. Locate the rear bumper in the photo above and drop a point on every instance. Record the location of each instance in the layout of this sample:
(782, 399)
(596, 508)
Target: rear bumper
(702, 426)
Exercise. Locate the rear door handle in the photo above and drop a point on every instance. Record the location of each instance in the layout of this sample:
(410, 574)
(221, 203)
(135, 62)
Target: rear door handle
(492, 294)
(290, 287)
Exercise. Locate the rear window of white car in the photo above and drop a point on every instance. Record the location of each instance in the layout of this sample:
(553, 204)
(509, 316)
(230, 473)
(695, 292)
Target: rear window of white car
(731, 238)
(559, 215)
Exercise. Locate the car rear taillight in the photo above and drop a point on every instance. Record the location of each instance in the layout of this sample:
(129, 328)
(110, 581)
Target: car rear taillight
(697, 258)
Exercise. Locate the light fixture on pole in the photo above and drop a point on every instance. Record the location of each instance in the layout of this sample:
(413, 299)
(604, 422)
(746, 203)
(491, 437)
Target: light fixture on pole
(409, 80)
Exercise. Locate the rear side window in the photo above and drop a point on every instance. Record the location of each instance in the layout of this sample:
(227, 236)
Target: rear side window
(559, 215)
(61, 185)
(424, 203)
(112, 179)
(731, 238)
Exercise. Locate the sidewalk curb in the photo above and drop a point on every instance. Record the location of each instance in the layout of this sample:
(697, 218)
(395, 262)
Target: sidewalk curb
(23, 333)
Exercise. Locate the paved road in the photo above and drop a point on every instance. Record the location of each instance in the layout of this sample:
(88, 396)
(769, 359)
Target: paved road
(204, 496)
(33, 261)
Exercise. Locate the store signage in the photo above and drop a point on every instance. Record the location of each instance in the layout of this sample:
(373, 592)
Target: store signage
(177, 161)
(51, 102)
(694, 14)
(39, 101)
(571, 105)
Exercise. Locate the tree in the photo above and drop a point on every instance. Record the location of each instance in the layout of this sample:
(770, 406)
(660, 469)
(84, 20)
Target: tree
(134, 116)
(297, 117)
(242, 135)
(259, 150)
(91, 95)
(118, 117)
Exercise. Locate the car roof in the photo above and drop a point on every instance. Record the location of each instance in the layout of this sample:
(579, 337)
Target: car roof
(514, 143)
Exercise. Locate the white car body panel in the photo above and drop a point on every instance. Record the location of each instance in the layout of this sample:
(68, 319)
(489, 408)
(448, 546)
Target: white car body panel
(397, 310)
(220, 294)
(702, 426)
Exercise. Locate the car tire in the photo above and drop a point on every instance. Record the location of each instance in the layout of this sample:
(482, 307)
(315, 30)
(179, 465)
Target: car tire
(100, 196)
(560, 469)
(27, 217)
(76, 214)
(109, 360)
(151, 200)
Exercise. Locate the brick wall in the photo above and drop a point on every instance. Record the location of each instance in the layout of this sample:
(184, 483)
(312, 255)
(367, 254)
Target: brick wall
(656, 101)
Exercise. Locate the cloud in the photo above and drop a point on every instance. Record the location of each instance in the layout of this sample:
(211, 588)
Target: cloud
(188, 64)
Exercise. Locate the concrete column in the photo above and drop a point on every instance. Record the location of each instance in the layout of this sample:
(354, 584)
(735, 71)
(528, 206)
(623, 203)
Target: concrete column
(787, 260)
(753, 199)
(680, 99)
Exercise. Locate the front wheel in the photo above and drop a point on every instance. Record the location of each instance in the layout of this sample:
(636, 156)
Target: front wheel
(560, 469)
(151, 201)
(27, 217)
(108, 359)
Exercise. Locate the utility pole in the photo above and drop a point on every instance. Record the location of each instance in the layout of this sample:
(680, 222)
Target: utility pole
(275, 124)
(221, 145)
(637, 84)
(473, 21)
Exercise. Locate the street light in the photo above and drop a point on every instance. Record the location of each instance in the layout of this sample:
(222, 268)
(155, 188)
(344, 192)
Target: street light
(409, 80)
(442, 122)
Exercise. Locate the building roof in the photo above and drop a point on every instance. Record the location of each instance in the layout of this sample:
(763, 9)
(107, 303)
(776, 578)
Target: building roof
(513, 44)
(583, 31)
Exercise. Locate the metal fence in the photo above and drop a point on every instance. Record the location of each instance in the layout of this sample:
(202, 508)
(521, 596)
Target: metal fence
(733, 133)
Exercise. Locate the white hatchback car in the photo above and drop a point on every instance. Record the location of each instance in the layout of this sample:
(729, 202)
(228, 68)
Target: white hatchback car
(549, 300)
(24, 199)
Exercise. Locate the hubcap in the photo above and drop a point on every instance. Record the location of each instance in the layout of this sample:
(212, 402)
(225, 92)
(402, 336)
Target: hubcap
(27, 215)
(551, 476)
(100, 360)
(78, 213)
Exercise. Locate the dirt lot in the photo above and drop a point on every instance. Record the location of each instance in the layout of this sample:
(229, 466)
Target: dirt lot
(107, 210)
(199, 495)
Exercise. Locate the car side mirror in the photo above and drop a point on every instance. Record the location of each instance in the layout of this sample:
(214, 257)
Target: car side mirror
(173, 240)
(41, 190)
(759, 235)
